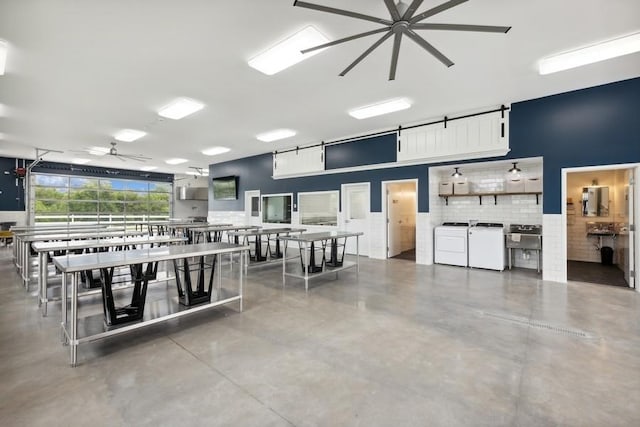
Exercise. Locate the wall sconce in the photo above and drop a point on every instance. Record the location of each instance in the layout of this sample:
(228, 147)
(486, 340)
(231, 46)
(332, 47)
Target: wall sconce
(515, 168)
(456, 174)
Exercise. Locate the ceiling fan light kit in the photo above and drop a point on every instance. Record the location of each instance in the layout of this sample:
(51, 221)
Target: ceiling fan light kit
(404, 22)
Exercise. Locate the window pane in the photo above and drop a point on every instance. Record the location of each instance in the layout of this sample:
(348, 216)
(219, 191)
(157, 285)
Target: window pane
(160, 187)
(136, 196)
(158, 209)
(137, 186)
(160, 197)
(44, 207)
(276, 209)
(83, 194)
(75, 182)
(318, 208)
(255, 206)
(111, 207)
(52, 180)
(44, 193)
(136, 208)
(76, 207)
(357, 204)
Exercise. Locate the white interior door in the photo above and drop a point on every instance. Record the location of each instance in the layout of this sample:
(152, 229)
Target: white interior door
(355, 205)
(252, 207)
(394, 223)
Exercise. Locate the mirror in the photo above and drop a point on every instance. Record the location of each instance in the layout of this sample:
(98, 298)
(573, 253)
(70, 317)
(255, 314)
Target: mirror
(595, 201)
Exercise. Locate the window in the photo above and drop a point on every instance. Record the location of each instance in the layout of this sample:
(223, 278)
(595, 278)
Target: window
(318, 208)
(276, 208)
(59, 198)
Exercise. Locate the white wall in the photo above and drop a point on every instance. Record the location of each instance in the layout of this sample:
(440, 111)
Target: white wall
(20, 217)
(488, 177)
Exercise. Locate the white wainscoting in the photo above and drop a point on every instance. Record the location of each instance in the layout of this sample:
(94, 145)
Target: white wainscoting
(554, 255)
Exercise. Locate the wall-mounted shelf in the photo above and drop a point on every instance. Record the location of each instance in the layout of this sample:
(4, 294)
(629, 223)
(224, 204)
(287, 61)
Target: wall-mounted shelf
(494, 195)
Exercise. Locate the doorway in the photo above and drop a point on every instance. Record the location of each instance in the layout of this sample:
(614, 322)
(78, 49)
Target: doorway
(355, 214)
(601, 211)
(401, 209)
(252, 207)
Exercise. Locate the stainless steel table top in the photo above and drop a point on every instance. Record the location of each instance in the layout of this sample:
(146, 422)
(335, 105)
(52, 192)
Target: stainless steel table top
(81, 235)
(66, 231)
(323, 235)
(104, 243)
(263, 231)
(227, 227)
(44, 227)
(75, 263)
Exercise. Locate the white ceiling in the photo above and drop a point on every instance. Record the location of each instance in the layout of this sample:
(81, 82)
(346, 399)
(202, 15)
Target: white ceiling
(78, 71)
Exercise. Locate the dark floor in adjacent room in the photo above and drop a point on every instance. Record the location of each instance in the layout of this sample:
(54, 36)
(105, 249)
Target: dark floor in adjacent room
(595, 272)
(409, 255)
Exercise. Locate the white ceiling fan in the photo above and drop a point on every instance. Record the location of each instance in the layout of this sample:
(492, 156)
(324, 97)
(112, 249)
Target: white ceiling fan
(113, 151)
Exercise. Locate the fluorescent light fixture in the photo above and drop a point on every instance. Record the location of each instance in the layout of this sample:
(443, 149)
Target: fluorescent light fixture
(129, 135)
(79, 161)
(4, 49)
(148, 168)
(180, 108)
(275, 135)
(287, 52)
(213, 151)
(98, 151)
(194, 173)
(380, 109)
(175, 161)
(590, 54)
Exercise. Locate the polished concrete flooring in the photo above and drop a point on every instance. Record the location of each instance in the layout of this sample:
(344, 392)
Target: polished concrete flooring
(399, 345)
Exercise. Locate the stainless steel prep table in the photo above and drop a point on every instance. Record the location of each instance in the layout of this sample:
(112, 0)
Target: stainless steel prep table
(19, 231)
(257, 234)
(213, 232)
(336, 263)
(43, 248)
(27, 239)
(72, 265)
(186, 229)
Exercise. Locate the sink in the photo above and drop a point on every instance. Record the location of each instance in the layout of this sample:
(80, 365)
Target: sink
(601, 228)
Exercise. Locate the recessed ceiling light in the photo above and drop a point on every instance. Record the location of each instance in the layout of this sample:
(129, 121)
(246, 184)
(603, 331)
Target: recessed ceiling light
(213, 151)
(129, 135)
(590, 54)
(148, 168)
(175, 161)
(79, 161)
(380, 109)
(180, 107)
(275, 135)
(4, 49)
(98, 151)
(287, 52)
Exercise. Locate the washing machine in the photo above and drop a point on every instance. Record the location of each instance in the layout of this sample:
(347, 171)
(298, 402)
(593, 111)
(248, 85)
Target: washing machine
(450, 243)
(486, 246)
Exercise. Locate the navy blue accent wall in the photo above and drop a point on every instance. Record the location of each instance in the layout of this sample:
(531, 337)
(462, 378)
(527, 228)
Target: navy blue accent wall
(368, 151)
(255, 174)
(11, 196)
(594, 126)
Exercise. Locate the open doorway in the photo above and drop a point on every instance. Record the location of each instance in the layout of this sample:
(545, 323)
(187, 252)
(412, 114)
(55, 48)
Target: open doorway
(401, 207)
(600, 217)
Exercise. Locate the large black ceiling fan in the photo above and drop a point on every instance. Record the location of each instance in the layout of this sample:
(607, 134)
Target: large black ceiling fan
(403, 21)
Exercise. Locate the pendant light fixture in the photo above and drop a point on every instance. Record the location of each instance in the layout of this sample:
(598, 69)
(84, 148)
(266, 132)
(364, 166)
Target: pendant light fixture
(515, 168)
(456, 174)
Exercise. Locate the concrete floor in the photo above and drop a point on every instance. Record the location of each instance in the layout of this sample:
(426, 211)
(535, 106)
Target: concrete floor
(400, 345)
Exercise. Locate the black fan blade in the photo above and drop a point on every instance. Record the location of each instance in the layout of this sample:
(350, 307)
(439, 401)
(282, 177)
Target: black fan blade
(366, 52)
(411, 9)
(459, 27)
(429, 48)
(346, 39)
(393, 10)
(394, 56)
(436, 10)
(341, 12)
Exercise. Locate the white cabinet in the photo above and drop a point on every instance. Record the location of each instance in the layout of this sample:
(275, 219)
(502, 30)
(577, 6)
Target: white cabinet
(479, 136)
(297, 162)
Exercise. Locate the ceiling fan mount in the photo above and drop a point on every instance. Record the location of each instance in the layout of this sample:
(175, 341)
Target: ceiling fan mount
(113, 151)
(404, 22)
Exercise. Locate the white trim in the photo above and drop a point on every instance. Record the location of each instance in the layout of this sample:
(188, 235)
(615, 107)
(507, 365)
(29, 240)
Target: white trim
(262, 196)
(385, 214)
(563, 204)
(304, 193)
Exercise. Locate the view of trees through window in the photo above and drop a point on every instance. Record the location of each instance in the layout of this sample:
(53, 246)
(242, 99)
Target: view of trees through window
(59, 198)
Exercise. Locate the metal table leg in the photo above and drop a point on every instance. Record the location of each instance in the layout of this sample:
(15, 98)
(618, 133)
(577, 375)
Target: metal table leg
(73, 339)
